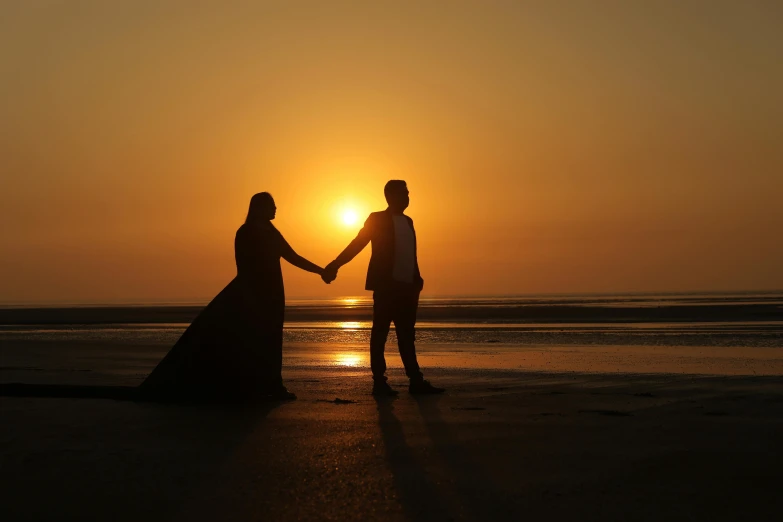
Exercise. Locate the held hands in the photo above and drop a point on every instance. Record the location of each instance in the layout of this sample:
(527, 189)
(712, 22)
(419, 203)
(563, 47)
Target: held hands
(329, 273)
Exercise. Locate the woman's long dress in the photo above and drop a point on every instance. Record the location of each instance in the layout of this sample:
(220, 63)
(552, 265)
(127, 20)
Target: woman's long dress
(233, 350)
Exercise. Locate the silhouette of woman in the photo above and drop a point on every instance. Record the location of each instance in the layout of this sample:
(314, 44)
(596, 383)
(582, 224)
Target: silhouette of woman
(234, 349)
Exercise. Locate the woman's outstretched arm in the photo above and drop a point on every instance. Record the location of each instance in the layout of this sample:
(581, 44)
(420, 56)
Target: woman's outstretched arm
(298, 261)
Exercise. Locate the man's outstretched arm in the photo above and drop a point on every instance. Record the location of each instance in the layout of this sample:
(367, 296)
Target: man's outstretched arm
(352, 250)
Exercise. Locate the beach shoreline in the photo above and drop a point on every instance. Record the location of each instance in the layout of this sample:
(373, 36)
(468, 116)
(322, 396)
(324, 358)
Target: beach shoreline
(108, 363)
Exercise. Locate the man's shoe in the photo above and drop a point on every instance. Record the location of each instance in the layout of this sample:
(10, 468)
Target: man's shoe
(422, 387)
(382, 389)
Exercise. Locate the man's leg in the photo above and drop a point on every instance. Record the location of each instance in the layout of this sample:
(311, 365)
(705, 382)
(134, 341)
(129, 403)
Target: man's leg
(405, 309)
(405, 323)
(381, 320)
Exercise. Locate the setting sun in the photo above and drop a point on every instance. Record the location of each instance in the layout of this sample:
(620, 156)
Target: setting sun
(349, 217)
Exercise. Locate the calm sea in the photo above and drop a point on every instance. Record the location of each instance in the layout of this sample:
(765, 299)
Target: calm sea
(737, 319)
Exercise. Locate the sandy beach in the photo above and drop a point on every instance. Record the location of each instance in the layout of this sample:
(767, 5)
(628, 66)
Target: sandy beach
(520, 434)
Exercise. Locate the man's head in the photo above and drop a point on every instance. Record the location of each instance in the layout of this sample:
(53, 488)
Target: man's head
(396, 192)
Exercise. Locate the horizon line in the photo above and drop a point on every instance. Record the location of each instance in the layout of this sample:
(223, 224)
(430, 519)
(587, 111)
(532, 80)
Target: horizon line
(196, 301)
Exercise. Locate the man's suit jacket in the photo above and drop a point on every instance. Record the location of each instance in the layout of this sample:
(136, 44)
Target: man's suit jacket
(379, 230)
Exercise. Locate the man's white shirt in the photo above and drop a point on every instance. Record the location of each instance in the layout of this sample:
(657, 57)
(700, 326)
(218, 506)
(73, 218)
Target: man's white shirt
(404, 251)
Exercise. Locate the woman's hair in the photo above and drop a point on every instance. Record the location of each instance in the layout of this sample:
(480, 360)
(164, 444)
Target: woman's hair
(259, 205)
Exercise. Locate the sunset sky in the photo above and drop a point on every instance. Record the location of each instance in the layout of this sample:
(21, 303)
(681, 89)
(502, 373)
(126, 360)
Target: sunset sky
(549, 147)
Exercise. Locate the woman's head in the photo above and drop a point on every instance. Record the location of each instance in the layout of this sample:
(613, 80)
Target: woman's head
(262, 208)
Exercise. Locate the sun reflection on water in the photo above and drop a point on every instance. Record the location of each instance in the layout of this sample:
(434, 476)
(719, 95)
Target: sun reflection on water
(349, 325)
(349, 302)
(347, 359)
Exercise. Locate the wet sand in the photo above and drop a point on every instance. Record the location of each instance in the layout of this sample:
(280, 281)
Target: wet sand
(502, 444)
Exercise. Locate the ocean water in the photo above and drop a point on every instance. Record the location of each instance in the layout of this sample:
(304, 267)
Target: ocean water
(731, 320)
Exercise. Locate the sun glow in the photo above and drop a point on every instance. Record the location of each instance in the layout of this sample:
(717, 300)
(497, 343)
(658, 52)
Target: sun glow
(349, 217)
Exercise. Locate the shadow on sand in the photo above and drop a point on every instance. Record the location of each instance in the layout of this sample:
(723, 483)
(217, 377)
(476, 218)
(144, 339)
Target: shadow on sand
(103, 460)
(419, 496)
(442, 481)
(70, 391)
(478, 494)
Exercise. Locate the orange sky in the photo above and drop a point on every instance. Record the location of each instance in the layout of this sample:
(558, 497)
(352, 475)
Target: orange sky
(548, 148)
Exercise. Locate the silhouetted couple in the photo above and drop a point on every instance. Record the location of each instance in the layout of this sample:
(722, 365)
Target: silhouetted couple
(234, 349)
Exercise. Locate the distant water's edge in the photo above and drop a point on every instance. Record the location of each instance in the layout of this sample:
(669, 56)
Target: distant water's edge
(514, 310)
(745, 319)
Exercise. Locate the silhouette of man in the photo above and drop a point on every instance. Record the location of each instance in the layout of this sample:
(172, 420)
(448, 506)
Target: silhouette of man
(393, 276)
